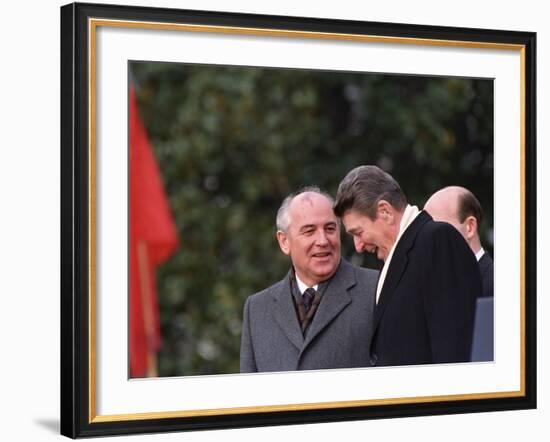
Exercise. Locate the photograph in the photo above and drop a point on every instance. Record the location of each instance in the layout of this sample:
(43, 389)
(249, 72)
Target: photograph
(274, 220)
(207, 219)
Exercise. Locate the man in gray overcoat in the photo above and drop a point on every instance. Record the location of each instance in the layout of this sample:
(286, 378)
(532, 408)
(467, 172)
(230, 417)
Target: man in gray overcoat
(320, 315)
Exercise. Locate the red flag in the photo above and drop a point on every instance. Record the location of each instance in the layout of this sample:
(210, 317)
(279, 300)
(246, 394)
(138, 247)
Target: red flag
(153, 239)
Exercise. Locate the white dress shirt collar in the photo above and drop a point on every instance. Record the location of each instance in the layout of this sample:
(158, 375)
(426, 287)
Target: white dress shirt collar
(303, 287)
(410, 213)
(480, 253)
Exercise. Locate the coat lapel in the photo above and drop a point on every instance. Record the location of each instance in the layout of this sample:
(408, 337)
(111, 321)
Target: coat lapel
(484, 263)
(398, 265)
(285, 314)
(334, 300)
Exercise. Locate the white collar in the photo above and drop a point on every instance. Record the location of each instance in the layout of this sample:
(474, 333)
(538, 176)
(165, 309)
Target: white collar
(410, 213)
(480, 253)
(302, 286)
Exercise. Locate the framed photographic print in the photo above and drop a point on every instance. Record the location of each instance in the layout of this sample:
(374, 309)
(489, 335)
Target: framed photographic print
(181, 134)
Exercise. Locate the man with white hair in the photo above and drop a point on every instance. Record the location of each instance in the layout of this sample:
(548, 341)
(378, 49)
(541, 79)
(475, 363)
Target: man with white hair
(320, 315)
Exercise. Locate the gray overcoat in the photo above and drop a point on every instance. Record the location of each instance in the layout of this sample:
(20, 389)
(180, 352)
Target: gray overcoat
(338, 337)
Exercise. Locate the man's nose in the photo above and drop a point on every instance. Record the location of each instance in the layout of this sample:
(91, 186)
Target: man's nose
(322, 238)
(359, 245)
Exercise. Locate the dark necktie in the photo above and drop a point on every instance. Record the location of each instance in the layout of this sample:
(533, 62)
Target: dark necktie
(307, 298)
(307, 307)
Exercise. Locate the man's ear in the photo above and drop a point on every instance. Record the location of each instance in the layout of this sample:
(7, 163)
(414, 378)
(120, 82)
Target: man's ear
(282, 238)
(470, 226)
(384, 211)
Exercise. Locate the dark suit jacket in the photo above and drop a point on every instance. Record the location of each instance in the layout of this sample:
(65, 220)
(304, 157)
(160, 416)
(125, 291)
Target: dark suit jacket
(338, 337)
(486, 269)
(426, 309)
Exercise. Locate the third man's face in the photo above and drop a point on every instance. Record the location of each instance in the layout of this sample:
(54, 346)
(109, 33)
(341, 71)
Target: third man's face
(313, 238)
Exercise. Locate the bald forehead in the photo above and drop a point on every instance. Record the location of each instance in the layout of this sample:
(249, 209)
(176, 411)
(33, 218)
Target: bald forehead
(453, 192)
(444, 203)
(310, 208)
(310, 199)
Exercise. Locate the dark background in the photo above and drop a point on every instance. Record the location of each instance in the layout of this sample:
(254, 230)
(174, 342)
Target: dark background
(232, 142)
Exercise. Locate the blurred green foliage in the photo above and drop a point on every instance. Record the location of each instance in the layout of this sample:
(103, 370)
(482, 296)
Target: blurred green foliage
(232, 142)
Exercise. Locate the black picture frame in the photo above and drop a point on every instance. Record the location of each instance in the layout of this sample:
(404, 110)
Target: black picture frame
(78, 417)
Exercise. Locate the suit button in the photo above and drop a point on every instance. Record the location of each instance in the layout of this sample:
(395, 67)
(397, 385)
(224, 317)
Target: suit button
(373, 360)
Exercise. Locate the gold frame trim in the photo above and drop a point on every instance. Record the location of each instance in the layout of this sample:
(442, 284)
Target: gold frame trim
(299, 407)
(92, 221)
(260, 32)
(93, 24)
(523, 191)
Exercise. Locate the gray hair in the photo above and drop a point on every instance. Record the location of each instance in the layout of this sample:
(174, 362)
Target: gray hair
(363, 188)
(283, 218)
